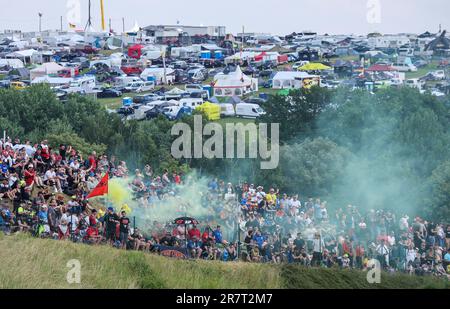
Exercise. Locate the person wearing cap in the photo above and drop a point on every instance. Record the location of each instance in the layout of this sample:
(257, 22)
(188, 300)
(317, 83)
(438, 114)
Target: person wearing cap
(111, 219)
(124, 228)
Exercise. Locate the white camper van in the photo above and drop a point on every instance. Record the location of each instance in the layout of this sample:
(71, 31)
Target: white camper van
(249, 110)
(83, 84)
(191, 102)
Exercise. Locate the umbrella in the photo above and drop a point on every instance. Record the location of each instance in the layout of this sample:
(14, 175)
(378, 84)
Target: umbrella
(314, 67)
(185, 220)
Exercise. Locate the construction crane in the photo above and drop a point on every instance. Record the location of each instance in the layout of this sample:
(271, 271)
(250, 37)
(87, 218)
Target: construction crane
(102, 9)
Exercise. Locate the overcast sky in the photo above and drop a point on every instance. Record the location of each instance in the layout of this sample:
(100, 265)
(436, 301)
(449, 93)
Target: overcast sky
(273, 16)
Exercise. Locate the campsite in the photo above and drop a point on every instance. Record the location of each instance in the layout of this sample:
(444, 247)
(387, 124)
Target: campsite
(224, 68)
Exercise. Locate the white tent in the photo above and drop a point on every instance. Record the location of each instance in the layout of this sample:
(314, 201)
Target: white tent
(14, 63)
(135, 28)
(25, 55)
(244, 56)
(234, 84)
(52, 81)
(45, 69)
(290, 80)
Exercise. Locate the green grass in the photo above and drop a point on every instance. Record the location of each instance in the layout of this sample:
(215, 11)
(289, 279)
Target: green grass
(34, 263)
(423, 71)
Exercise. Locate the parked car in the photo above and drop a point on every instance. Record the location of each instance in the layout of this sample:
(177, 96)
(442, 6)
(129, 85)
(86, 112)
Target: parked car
(405, 67)
(193, 87)
(420, 63)
(109, 93)
(145, 98)
(255, 100)
(18, 85)
(299, 64)
(439, 74)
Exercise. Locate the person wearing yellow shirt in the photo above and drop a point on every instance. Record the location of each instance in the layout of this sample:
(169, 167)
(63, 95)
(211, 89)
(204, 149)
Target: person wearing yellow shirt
(271, 198)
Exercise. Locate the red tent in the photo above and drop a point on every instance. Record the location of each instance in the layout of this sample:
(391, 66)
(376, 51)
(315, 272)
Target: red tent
(135, 51)
(260, 57)
(380, 68)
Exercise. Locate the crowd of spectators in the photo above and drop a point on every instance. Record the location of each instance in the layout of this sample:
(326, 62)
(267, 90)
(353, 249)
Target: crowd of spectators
(43, 191)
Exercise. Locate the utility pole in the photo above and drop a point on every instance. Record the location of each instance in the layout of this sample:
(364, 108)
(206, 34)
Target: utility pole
(89, 22)
(40, 22)
(110, 25)
(123, 24)
(61, 23)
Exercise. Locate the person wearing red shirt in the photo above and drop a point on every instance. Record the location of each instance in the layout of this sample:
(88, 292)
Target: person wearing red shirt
(93, 161)
(176, 178)
(194, 231)
(30, 175)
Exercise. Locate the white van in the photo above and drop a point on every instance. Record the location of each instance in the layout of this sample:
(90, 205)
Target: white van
(249, 110)
(227, 110)
(124, 81)
(146, 86)
(404, 67)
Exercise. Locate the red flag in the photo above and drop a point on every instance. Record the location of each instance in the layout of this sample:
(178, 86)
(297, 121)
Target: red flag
(101, 188)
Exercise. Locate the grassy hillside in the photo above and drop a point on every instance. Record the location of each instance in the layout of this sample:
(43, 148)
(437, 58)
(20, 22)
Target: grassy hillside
(34, 263)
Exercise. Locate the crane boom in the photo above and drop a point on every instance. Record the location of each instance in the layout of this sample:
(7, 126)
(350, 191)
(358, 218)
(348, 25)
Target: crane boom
(103, 15)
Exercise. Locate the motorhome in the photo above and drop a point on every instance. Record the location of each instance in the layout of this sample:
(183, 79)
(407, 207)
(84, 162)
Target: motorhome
(83, 84)
(191, 102)
(249, 110)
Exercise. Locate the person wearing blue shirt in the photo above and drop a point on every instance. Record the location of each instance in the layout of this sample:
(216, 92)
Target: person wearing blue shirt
(218, 235)
(259, 239)
(42, 215)
(213, 185)
(447, 256)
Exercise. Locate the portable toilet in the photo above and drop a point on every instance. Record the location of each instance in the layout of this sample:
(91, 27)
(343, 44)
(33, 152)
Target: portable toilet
(208, 88)
(205, 54)
(127, 101)
(218, 54)
(263, 96)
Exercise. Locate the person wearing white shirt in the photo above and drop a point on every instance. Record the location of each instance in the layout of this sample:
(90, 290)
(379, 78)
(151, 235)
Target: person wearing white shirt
(383, 253)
